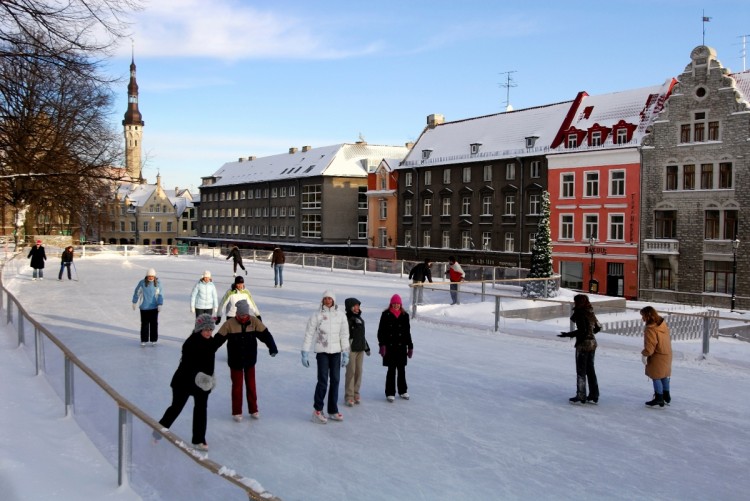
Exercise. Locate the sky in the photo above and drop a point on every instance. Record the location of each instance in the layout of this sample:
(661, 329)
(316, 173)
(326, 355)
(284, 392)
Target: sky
(488, 417)
(223, 79)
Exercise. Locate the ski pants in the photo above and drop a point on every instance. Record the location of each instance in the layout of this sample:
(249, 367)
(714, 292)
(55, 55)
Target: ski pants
(585, 370)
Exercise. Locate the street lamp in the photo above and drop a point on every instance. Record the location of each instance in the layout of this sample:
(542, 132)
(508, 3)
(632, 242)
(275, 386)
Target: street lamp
(133, 209)
(593, 286)
(349, 246)
(735, 246)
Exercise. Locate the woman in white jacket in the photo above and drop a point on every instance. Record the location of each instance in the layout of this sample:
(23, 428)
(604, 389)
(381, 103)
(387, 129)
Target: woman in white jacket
(204, 298)
(329, 330)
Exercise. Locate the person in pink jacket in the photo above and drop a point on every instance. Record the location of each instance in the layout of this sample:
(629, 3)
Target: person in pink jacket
(657, 355)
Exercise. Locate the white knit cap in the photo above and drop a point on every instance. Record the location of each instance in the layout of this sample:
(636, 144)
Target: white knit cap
(329, 294)
(206, 274)
(151, 272)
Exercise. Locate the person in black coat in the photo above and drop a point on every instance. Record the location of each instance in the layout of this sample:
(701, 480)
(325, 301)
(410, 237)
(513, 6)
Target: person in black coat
(586, 326)
(38, 257)
(65, 261)
(236, 257)
(194, 377)
(358, 348)
(243, 332)
(419, 274)
(394, 338)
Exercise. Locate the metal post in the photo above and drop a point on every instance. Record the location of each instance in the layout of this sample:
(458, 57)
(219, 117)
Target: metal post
(735, 246)
(38, 351)
(497, 313)
(69, 387)
(706, 334)
(414, 301)
(125, 446)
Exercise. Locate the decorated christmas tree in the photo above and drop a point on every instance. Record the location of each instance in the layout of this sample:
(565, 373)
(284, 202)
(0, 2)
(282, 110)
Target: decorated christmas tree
(541, 257)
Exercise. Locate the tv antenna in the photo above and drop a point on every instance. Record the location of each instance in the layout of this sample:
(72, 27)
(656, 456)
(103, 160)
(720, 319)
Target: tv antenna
(507, 85)
(743, 51)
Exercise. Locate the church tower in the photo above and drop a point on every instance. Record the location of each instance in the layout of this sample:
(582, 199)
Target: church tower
(133, 129)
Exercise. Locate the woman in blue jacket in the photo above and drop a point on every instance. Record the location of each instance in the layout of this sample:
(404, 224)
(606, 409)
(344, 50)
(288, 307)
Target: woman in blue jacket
(204, 298)
(150, 295)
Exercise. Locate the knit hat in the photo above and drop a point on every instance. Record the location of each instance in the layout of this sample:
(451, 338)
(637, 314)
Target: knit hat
(204, 322)
(329, 294)
(151, 272)
(206, 274)
(396, 299)
(239, 280)
(39, 242)
(243, 308)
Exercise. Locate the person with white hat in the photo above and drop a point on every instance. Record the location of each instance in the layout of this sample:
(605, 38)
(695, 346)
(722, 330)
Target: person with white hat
(204, 298)
(150, 295)
(38, 257)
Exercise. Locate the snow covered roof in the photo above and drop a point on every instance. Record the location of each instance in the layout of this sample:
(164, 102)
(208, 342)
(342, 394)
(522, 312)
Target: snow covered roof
(742, 82)
(138, 194)
(339, 160)
(500, 135)
(180, 199)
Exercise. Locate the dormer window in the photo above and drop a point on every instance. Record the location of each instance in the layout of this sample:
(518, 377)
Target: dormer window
(474, 148)
(572, 141)
(426, 154)
(531, 141)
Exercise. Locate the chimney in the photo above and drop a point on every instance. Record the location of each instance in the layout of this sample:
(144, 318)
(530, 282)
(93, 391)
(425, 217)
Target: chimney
(306, 148)
(292, 150)
(241, 159)
(409, 145)
(435, 119)
(176, 190)
(251, 158)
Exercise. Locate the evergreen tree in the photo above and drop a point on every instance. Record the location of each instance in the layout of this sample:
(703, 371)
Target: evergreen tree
(541, 257)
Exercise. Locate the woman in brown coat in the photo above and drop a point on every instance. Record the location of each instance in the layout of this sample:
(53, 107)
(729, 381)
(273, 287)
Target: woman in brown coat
(657, 355)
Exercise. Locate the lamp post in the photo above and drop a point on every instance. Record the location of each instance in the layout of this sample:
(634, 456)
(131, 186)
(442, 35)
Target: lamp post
(592, 283)
(349, 246)
(133, 209)
(735, 246)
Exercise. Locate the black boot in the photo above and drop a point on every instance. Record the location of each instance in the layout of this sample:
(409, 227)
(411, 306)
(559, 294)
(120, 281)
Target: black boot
(577, 400)
(658, 400)
(667, 397)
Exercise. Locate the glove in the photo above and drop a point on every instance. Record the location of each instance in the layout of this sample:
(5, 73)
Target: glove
(563, 334)
(410, 353)
(258, 317)
(135, 305)
(382, 351)
(218, 319)
(644, 359)
(344, 359)
(158, 308)
(305, 361)
(367, 352)
(273, 353)
(204, 381)
(192, 309)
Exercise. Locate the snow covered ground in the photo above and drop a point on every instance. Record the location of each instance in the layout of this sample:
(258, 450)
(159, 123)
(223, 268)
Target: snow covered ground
(488, 419)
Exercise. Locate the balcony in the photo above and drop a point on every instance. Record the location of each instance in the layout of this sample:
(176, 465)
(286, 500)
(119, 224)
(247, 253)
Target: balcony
(661, 246)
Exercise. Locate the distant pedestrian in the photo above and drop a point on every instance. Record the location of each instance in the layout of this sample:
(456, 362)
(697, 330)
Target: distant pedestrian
(38, 257)
(235, 294)
(243, 333)
(358, 348)
(277, 263)
(419, 274)
(455, 274)
(149, 296)
(329, 331)
(587, 326)
(394, 338)
(236, 256)
(65, 261)
(657, 355)
(195, 377)
(204, 298)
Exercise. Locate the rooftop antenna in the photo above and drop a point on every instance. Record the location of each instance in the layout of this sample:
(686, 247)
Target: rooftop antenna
(507, 85)
(706, 19)
(743, 52)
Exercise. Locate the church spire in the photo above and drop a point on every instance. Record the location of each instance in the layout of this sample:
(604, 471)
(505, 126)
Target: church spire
(133, 128)
(133, 114)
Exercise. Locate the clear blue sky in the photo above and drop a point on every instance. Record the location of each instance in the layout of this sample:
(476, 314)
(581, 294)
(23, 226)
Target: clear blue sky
(220, 79)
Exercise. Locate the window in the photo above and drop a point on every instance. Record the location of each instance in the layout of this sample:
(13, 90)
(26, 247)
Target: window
(249, 194)
(671, 178)
(566, 227)
(487, 205)
(282, 191)
(466, 175)
(688, 177)
(662, 274)
(145, 226)
(617, 183)
(486, 240)
(592, 184)
(122, 226)
(510, 172)
(446, 176)
(446, 239)
(384, 180)
(707, 176)
(408, 206)
(730, 224)
(487, 173)
(427, 178)
(622, 136)
(532, 241)
(535, 169)
(282, 231)
(510, 242)
(572, 141)
(310, 226)
(382, 237)
(510, 205)
(383, 209)
(568, 186)
(700, 129)
(596, 138)
(426, 154)
(474, 148)
(361, 227)
(258, 193)
(591, 226)
(311, 198)
(665, 224)
(282, 211)
(712, 219)
(466, 241)
(725, 175)
(362, 197)
(713, 131)
(292, 212)
(157, 226)
(466, 206)
(617, 227)
(407, 179)
(717, 276)
(274, 194)
(292, 231)
(274, 212)
(426, 238)
(407, 238)
(535, 204)
(292, 193)
(274, 231)
(427, 207)
(445, 206)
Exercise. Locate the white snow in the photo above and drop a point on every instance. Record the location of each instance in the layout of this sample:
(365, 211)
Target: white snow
(488, 416)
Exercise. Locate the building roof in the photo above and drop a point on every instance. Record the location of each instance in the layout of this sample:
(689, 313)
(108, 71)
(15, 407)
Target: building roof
(339, 160)
(742, 83)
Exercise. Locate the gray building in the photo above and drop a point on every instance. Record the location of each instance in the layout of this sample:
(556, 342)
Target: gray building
(695, 189)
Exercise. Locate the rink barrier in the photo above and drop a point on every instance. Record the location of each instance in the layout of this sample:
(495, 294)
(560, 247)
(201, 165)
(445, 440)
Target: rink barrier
(126, 410)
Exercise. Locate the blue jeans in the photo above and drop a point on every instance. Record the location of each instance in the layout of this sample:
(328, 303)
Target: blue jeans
(278, 274)
(661, 385)
(329, 365)
(454, 293)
